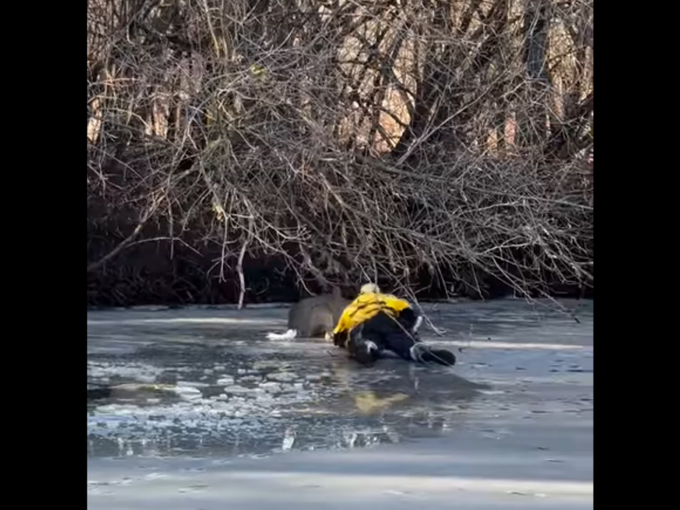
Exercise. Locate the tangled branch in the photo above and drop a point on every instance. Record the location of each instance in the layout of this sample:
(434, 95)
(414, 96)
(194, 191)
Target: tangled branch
(445, 144)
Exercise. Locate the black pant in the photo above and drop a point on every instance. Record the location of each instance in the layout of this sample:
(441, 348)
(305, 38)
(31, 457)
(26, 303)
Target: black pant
(386, 332)
(393, 334)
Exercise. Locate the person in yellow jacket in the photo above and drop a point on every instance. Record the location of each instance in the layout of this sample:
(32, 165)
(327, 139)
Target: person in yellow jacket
(375, 322)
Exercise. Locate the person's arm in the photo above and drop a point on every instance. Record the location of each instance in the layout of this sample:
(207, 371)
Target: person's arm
(343, 321)
(408, 318)
(405, 313)
(415, 318)
(339, 333)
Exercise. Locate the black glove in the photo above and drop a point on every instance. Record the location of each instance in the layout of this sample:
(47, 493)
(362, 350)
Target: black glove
(339, 338)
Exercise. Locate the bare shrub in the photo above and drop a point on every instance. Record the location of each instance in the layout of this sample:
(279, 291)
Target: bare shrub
(445, 142)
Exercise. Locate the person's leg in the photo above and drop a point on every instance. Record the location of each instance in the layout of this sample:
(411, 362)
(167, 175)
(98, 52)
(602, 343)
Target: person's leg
(397, 338)
(390, 334)
(423, 353)
(383, 332)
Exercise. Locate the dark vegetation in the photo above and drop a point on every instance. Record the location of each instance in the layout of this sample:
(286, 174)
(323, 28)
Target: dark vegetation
(252, 150)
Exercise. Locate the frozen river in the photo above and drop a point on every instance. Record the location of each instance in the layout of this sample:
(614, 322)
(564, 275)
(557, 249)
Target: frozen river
(207, 413)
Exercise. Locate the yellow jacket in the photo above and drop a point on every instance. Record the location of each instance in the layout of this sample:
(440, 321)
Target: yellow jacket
(366, 306)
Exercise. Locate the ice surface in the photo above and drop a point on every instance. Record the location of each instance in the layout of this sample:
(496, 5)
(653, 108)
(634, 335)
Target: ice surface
(220, 417)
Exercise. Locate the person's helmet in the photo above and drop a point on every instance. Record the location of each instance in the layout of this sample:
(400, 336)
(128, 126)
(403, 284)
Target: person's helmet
(369, 288)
